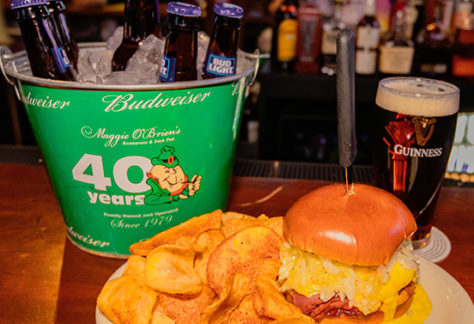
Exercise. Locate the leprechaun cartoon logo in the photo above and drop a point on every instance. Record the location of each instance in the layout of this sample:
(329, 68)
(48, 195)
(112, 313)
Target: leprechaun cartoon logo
(168, 181)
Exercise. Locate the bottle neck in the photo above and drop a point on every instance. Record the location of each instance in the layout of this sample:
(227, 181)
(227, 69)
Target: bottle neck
(141, 19)
(338, 10)
(370, 8)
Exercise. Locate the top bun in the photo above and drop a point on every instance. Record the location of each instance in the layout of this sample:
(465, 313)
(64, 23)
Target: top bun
(364, 228)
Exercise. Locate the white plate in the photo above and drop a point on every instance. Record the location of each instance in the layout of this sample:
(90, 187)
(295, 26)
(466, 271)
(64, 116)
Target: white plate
(451, 303)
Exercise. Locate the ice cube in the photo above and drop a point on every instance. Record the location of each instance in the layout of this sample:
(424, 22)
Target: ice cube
(203, 43)
(116, 39)
(147, 60)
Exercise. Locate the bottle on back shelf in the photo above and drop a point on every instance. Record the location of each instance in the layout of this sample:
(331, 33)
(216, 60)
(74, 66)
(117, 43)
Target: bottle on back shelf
(463, 49)
(331, 28)
(433, 45)
(396, 51)
(57, 9)
(142, 19)
(367, 40)
(221, 56)
(46, 53)
(309, 38)
(181, 47)
(285, 36)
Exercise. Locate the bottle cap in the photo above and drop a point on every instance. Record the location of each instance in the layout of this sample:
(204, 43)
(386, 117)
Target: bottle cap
(15, 4)
(228, 10)
(183, 9)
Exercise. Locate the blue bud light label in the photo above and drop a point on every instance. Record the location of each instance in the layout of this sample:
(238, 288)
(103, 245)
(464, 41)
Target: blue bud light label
(218, 66)
(62, 61)
(168, 69)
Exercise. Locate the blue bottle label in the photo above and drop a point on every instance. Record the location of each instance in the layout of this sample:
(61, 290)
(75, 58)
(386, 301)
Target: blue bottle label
(168, 69)
(62, 61)
(218, 66)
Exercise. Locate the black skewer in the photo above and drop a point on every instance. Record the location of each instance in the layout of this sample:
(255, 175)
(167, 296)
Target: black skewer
(346, 103)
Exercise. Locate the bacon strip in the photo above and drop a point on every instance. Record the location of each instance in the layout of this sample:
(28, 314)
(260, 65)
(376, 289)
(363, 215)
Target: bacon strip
(318, 309)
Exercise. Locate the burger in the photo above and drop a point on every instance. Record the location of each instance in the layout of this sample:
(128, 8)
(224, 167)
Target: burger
(348, 258)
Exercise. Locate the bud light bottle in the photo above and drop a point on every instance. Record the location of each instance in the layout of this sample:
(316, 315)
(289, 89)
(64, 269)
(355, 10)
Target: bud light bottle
(142, 19)
(48, 58)
(180, 53)
(57, 10)
(221, 57)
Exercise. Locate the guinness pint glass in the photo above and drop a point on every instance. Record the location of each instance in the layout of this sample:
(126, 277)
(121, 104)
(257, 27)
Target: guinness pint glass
(415, 124)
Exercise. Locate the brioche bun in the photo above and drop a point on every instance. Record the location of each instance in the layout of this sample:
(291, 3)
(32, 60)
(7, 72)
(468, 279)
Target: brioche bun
(364, 228)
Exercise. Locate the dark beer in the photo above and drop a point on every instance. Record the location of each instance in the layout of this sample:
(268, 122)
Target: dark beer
(57, 10)
(221, 56)
(141, 20)
(180, 53)
(47, 57)
(415, 126)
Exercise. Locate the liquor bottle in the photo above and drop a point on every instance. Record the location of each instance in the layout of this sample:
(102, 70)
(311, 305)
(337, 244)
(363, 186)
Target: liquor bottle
(463, 49)
(433, 45)
(47, 56)
(309, 38)
(285, 36)
(142, 19)
(367, 40)
(57, 9)
(331, 28)
(181, 47)
(221, 56)
(396, 51)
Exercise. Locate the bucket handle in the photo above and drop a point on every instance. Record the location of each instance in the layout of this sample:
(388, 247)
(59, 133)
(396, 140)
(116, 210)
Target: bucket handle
(6, 56)
(257, 57)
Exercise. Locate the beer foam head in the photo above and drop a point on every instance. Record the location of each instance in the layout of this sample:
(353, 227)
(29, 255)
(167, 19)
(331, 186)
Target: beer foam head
(418, 96)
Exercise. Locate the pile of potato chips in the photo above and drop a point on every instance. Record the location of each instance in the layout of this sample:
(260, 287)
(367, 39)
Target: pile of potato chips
(215, 268)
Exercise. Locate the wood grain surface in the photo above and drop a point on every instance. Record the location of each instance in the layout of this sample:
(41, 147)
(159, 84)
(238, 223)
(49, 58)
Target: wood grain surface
(46, 279)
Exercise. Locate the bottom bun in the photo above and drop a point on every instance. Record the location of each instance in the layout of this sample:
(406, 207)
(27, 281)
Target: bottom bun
(374, 318)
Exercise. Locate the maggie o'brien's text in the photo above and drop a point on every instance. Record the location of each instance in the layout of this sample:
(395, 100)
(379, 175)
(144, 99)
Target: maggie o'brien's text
(121, 102)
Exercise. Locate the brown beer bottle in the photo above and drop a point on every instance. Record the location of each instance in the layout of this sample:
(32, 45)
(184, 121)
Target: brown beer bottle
(47, 56)
(57, 9)
(221, 56)
(180, 53)
(142, 19)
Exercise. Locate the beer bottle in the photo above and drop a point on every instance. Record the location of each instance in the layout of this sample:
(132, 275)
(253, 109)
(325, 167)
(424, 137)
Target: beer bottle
(221, 56)
(180, 53)
(141, 20)
(57, 9)
(47, 56)
(285, 35)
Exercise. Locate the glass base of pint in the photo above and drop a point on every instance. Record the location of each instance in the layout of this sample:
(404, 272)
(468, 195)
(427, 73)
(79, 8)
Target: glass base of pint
(422, 237)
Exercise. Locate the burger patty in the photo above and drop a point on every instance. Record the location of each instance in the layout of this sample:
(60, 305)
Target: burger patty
(318, 309)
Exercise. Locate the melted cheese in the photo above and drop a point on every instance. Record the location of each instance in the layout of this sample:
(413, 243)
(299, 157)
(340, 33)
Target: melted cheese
(367, 288)
(419, 310)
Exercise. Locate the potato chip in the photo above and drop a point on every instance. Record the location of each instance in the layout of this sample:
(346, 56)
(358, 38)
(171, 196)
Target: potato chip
(234, 225)
(245, 313)
(251, 252)
(159, 317)
(184, 309)
(276, 224)
(269, 302)
(204, 245)
(208, 240)
(182, 235)
(229, 299)
(234, 215)
(136, 268)
(124, 300)
(169, 269)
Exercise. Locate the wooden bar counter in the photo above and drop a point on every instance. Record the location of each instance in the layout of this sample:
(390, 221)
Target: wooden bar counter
(45, 279)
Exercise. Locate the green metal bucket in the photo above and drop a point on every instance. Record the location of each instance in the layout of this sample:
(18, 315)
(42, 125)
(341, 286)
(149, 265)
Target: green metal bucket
(127, 162)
